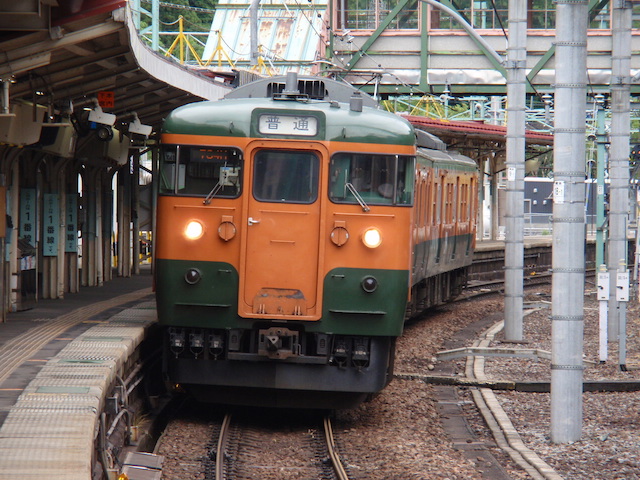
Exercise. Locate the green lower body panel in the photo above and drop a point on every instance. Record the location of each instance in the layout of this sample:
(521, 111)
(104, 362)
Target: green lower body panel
(201, 294)
(349, 309)
(212, 301)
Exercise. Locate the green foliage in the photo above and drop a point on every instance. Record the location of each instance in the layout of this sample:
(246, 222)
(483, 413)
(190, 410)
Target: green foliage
(195, 20)
(197, 15)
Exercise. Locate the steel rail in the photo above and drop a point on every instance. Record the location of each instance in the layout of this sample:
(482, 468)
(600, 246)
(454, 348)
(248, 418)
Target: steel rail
(341, 473)
(223, 440)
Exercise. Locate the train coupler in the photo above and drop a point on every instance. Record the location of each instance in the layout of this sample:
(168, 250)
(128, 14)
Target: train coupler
(279, 343)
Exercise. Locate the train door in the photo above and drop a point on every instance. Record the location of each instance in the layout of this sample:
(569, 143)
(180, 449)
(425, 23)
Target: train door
(281, 250)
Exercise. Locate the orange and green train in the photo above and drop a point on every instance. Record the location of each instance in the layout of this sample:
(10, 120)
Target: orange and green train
(294, 233)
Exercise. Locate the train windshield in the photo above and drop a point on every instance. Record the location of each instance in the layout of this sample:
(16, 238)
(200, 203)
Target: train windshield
(206, 171)
(376, 179)
(286, 176)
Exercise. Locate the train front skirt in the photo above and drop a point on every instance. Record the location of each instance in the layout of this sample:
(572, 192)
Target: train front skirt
(294, 382)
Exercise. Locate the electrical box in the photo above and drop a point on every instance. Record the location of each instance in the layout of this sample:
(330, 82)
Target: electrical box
(603, 286)
(114, 150)
(23, 125)
(118, 148)
(59, 139)
(622, 284)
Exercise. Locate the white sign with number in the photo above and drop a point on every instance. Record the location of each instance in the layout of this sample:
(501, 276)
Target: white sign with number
(558, 191)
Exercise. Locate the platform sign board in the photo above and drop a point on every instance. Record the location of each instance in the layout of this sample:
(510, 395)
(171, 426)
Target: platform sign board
(106, 99)
(71, 218)
(50, 224)
(28, 215)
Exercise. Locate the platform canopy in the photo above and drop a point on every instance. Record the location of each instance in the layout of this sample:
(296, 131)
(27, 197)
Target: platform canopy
(63, 54)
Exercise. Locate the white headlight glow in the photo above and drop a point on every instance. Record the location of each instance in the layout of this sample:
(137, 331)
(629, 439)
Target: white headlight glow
(194, 230)
(372, 237)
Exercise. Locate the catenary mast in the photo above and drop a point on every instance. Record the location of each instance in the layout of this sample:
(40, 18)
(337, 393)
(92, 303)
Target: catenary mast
(514, 217)
(568, 221)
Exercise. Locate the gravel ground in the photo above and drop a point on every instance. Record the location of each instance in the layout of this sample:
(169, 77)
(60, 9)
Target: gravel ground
(609, 448)
(399, 435)
(184, 446)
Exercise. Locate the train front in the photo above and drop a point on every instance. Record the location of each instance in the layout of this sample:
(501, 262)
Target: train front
(283, 249)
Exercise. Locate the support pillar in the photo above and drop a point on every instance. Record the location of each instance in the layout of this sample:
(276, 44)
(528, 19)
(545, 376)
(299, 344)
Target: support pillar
(514, 217)
(619, 155)
(568, 248)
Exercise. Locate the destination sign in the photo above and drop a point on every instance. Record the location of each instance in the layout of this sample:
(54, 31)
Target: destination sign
(212, 154)
(299, 125)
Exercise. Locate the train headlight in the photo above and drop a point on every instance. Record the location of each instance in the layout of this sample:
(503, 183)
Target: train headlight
(372, 237)
(369, 284)
(194, 230)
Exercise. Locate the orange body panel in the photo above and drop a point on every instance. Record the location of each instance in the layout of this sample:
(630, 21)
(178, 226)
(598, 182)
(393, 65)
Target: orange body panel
(283, 251)
(281, 258)
(394, 252)
(177, 212)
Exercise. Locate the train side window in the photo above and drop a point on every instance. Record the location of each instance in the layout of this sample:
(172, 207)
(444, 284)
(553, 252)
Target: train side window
(377, 179)
(406, 180)
(286, 176)
(429, 196)
(450, 203)
(438, 202)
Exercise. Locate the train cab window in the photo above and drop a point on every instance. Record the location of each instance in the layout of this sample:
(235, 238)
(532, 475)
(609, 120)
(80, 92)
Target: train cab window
(286, 176)
(206, 171)
(376, 179)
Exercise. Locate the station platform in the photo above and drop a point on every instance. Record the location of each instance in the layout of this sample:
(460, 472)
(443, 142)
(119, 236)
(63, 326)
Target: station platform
(486, 245)
(58, 362)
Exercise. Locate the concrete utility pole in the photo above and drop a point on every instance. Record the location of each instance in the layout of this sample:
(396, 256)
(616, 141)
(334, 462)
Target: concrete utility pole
(568, 220)
(514, 217)
(619, 157)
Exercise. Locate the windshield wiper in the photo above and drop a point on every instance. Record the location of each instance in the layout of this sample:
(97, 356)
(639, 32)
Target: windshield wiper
(212, 193)
(354, 192)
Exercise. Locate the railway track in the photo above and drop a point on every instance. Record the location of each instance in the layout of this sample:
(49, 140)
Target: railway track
(487, 287)
(336, 463)
(242, 450)
(250, 444)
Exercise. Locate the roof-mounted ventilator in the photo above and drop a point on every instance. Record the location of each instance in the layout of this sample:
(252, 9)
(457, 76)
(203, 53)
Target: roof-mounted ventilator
(291, 91)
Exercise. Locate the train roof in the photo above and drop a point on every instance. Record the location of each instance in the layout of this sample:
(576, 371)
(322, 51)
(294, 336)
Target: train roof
(336, 121)
(440, 157)
(317, 88)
